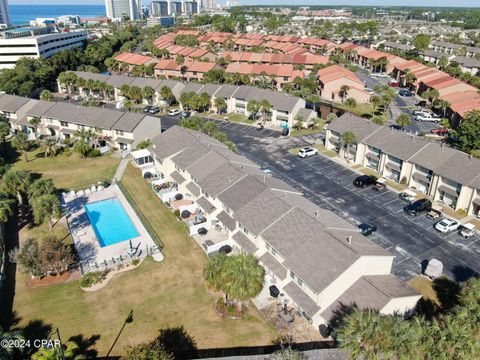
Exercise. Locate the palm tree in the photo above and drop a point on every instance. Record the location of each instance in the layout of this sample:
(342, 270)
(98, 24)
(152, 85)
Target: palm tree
(22, 143)
(403, 120)
(50, 146)
(214, 274)
(210, 128)
(41, 187)
(44, 207)
(351, 103)
(10, 352)
(80, 83)
(68, 79)
(70, 351)
(344, 91)
(431, 95)
(376, 101)
(299, 122)
(265, 106)
(16, 183)
(444, 105)
(220, 104)
(245, 278)
(4, 131)
(409, 77)
(135, 93)
(46, 95)
(35, 121)
(148, 93)
(253, 106)
(125, 90)
(166, 94)
(348, 138)
(6, 208)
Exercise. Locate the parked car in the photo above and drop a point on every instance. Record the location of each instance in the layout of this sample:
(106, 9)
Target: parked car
(154, 110)
(367, 228)
(407, 195)
(418, 207)
(426, 117)
(380, 184)
(147, 108)
(185, 114)
(379, 75)
(393, 83)
(405, 92)
(364, 181)
(446, 225)
(307, 152)
(440, 131)
(174, 112)
(422, 111)
(468, 230)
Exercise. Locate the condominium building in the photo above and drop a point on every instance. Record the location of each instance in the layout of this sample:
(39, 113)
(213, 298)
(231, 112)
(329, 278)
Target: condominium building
(120, 9)
(163, 21)
(210, 4)
(36, 42)
(177, 7)
(318, 261)
(446, 175)
(4, 13)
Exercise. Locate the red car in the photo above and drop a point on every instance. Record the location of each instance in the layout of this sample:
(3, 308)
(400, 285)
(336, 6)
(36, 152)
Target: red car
(440, 131)
(393, 83)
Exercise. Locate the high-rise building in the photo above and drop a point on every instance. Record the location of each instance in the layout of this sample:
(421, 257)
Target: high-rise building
(210, 4)
(4, 14)
(177, 7)
(119, 9)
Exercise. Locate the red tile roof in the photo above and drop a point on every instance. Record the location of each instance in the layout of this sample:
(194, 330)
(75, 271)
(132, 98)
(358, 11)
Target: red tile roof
(134, 59)
(335, 72)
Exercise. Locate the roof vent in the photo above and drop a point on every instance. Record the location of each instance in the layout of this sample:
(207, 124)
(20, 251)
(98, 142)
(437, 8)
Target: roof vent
(316, 212)
(349, 239)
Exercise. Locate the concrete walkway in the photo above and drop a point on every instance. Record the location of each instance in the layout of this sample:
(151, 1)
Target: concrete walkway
(121, 169)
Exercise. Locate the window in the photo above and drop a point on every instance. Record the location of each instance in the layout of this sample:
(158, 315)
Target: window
(296, 278)
(64, 123)
(119, 132)
(244, 229)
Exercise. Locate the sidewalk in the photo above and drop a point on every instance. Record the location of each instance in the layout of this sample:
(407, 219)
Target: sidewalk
(121, 169)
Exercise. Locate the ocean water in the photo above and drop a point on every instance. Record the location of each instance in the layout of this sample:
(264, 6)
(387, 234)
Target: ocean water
(22, 14)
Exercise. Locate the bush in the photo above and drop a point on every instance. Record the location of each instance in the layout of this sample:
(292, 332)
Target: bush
(177, 213)
(91, 278)
(135, 262)
(94, 153)
(143, 144)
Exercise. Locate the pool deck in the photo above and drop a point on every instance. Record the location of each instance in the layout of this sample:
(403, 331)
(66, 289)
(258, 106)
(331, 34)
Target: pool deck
(85, 240)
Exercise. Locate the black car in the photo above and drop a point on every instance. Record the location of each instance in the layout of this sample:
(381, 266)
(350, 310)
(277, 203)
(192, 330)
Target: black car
(364, 181)
(367, 228)
(418, 207)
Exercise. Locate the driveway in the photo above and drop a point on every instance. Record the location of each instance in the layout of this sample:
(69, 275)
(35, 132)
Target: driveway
(329, 185)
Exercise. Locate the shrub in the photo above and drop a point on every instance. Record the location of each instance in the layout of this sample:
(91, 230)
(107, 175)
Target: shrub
(231, 309)
(143, 144)
(94, 153)
(135, 262)
(177, 213)
(91, 278)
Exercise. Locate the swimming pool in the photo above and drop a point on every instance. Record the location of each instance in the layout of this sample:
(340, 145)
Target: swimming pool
(110, 222)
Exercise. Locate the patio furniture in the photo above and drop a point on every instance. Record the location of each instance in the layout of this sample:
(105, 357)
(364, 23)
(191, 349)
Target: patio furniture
(80, 193)
(93, 189)
(88, 191)
(100, 187)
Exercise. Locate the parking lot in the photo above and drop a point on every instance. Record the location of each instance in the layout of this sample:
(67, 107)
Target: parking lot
(330, 185)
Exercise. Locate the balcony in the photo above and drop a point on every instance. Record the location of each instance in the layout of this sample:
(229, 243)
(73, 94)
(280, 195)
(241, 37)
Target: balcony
(166, 190)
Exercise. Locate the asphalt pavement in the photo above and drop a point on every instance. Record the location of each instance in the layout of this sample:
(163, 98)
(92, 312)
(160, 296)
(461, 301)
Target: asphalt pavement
(412, 240)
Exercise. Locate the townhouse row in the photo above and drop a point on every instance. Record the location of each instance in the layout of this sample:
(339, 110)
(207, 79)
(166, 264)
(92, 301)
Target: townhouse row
(115, 129)
(285, 108)
(444, 174)
(317, 259)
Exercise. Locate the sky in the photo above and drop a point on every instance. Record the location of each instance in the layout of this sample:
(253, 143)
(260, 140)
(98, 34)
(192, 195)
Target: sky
(424, 3)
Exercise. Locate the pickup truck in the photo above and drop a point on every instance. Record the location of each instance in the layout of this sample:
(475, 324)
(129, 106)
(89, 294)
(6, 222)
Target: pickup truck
(426, 117)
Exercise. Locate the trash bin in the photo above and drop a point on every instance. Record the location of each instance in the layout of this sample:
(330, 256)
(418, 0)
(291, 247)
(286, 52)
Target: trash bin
(274, 292)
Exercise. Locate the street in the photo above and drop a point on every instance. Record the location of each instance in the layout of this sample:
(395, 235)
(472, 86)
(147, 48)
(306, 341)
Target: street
(329, 185)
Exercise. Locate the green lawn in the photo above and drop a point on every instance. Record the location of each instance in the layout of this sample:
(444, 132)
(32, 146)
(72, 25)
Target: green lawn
(68, 170)
(164, 294)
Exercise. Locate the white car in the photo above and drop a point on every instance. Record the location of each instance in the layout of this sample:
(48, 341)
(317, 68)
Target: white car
(174, 112)
(307, 152)
(426, 117)
(422, 111)
(446, 225)
(379, 75)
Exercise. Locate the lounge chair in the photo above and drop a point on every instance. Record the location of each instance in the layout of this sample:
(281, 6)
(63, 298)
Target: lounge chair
(93, 188)
(99, 187)
(88, 191)
(80, 193)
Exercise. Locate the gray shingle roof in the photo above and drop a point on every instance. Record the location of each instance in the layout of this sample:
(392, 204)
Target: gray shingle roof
(190, 155)
(349, 122)
(193, 188)
(220, 179)
(11, 103)
(129, 121)
(305, 114)
(373, 292)
(191, 87)
(434, 54)
(206, 165)
(301, 299)
(240, 193)
(91, 76)
(143, 82)
(261, 212)
(273, 265)
(206, 205)
(177, 177)
(279, 100)
(317, 255)
(39, 108)
(226, 91)
(247, 245)
(118, 80)
(466, 62)
(227, 221)
(210, 89)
